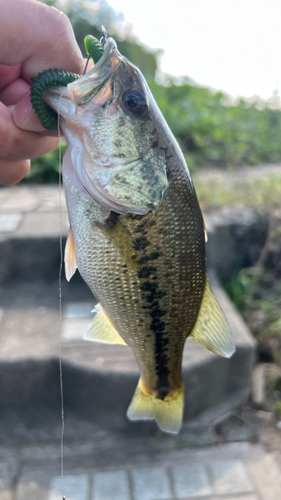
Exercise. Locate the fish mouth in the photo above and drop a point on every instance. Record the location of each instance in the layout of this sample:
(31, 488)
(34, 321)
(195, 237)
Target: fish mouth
(85, 88)
(65, 99)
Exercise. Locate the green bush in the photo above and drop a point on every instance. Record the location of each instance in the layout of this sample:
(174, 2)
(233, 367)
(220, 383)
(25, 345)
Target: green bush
(213, 131)
(278, 409)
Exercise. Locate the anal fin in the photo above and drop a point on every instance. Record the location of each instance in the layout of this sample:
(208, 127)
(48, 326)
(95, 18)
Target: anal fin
(211, 329)
(102, 330)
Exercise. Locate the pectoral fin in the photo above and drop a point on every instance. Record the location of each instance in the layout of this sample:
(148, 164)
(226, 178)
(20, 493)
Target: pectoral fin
(211, 329)
(122, 240)
(70, 256)
(102, 330)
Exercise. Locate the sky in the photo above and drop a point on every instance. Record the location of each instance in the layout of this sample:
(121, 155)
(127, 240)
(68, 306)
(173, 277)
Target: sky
(233, 46)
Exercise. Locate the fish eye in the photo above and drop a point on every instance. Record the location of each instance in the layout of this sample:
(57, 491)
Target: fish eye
(135, 102)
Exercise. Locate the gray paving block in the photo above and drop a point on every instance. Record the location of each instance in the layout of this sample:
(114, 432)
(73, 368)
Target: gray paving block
(73, 329)
(42, 225)
(23, 201)
(5, 194)
(32, 490)
(79, 309)
(230, 476)
(244, 497)
(151, 484)
(6, 494)
(9, 222)
(8, 472)
(72, 487)
(111, 485)
(191, 481)
(265, 471)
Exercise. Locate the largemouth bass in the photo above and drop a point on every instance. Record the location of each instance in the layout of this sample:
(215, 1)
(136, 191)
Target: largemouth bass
(137, 234)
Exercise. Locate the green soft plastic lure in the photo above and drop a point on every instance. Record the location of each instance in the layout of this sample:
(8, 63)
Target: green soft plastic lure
(93, 47)
(58, 77)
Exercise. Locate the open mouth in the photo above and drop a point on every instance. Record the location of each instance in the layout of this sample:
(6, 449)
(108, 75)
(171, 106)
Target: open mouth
(65, 99)
(83, 90)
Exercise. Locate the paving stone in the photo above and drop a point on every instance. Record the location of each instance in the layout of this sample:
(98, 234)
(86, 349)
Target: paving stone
(79, 309)
(188, 479)
(22, 202)
(73, 329)
(244, 497)
(111, 485)
(266, 474)
(8, 472)
(6, 494)
(32, 490)
(5, 483)
(151, 484)
(5, 194)
(72, 487)
(43, 224)
(235, 428)
(50, 200)
(51, 206)
(230, 476)
(191, 481)
(9, 222)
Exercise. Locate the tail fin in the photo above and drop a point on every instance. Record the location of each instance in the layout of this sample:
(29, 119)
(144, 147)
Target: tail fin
(168, 412)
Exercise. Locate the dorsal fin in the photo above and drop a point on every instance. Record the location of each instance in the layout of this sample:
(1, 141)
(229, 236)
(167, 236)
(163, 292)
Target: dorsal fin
(70, 256)
(102, 330)
(211, 329)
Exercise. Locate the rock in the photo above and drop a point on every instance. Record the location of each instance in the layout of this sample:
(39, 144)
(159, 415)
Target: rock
(197, 438)
(236, 429)
(258, 384)
(265, 415)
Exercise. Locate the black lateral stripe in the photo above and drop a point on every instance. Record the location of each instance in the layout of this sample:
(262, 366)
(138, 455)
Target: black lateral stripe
(151, 293)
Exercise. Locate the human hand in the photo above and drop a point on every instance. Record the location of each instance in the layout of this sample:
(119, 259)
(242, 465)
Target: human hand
(34, 37)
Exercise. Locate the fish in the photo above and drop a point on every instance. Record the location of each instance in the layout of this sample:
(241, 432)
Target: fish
(137, 234)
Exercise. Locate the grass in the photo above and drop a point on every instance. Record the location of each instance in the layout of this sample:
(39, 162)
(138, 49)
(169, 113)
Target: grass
(217, 191)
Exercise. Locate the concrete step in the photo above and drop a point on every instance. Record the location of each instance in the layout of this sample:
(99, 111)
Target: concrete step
(99, 380)
(30, 227)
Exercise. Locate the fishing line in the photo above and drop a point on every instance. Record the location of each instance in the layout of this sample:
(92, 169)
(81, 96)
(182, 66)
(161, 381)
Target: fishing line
(60, 299)
(86, 67)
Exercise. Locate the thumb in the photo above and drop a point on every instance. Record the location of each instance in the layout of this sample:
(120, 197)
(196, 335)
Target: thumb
(38, 36)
